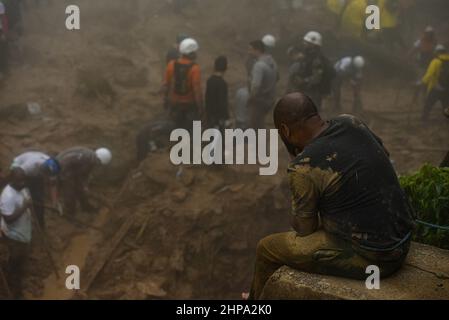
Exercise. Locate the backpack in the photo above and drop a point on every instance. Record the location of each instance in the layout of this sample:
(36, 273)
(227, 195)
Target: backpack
(182, 72)
(444, 75)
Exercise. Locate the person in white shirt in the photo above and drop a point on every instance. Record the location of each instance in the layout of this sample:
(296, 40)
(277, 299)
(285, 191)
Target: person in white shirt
(40, 171)
(349, 69)
(16, 228)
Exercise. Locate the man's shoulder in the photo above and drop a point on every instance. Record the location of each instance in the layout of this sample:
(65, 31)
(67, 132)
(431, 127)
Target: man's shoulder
(31, 155)
(74, 152)
(348, 120)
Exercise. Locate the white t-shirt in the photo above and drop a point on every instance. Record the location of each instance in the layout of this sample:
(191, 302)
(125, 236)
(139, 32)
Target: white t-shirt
(345, 68)
(11, 200)
(344, 65)
(30, 162)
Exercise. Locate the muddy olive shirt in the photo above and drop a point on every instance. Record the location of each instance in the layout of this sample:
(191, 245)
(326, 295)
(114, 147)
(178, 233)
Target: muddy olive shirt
(345, 176)
(77, 163)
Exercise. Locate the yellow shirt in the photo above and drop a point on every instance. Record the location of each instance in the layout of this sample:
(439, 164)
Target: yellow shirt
(336, 6)
(388, 19)
(353, 19)
(433, 72)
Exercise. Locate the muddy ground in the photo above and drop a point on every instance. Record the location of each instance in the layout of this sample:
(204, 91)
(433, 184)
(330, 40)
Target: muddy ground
(195, 231)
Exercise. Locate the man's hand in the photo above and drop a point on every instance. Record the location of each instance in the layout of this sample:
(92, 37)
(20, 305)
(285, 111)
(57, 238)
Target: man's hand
(28, 201)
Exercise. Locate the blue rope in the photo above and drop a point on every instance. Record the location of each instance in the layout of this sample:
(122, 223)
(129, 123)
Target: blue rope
(430, 225)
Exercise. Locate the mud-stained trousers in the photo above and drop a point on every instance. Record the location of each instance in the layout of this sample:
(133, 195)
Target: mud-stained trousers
(258, 110)
(14, 256)
(433, 98)
(319, 253)
(183, 115)
(241, 108)
(357, 104)
(74, 193)
(36, 186)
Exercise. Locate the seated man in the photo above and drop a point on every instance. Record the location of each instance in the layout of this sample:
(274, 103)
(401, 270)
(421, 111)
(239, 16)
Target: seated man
(349, 211)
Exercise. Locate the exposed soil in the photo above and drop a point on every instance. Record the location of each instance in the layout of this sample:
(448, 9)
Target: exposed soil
(196, 229)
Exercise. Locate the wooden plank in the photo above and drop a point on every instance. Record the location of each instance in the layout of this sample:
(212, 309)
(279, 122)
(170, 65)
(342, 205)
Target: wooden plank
(105, 254)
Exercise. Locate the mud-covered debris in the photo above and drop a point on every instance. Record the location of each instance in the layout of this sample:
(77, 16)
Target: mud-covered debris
(91, 84)
(180, 195)
(151, 289)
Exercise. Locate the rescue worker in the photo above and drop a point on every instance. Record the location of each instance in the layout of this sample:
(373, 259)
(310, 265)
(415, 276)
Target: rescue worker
(436, 80)
(424, 48)
(173, 52)
(16, 229)
(41, 172)
(349, 69)
(217, 100)
(390, 23)
(182, 86)
(14, 12)
(263, 80)
(351, 16)
(311, 73)
(348, 208)
(270, 43)
(152, 137)
(77, 165)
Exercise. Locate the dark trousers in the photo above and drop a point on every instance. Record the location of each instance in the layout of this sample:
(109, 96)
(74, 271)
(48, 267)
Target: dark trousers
(336, 91)
(258, 110)
(13, 265)
(74, 193)
(36, 186)
(434, 97)
(183, 115)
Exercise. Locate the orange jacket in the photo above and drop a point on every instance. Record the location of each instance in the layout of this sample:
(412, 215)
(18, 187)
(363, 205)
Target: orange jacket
(194, 82)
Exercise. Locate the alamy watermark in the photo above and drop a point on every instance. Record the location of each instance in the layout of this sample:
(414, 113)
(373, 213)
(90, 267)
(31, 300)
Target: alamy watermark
(234, 147)
(373, 280)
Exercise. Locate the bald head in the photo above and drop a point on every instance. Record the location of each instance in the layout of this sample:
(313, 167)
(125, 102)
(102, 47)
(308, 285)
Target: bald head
(298, 121)
(294, 108)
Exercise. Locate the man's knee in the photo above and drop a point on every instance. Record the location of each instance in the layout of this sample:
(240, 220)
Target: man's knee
(262, 247)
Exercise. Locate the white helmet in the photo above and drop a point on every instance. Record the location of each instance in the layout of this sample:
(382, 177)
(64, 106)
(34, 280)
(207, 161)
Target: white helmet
(359, 62)
(269, 41)
(104, 155)
(429, 29)
(314, 37)
(188, 46)
(440, 48)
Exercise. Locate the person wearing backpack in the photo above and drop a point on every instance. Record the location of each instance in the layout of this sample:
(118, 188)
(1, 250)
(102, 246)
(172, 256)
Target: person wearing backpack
(311, 73)
(436, 80)
(182, 86)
